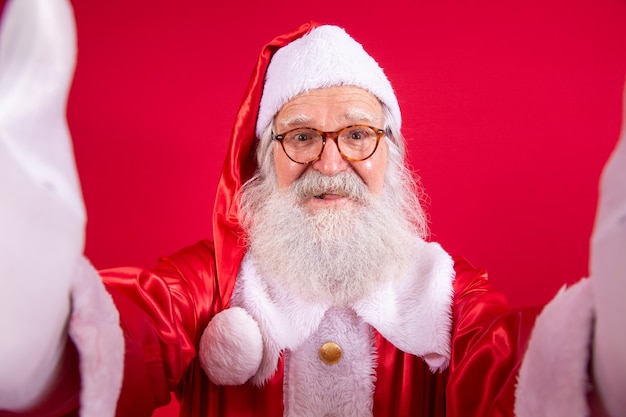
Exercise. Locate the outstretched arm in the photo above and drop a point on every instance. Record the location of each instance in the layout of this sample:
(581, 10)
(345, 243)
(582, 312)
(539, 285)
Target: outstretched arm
(41, 212)
(46, 286)
(608, 272)
(583, 324)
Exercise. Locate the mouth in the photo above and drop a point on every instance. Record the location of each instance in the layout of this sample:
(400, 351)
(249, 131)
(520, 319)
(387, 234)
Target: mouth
(331, 196)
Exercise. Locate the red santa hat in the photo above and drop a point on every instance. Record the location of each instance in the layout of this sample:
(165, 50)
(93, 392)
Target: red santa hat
(325, 57)
(310, 57)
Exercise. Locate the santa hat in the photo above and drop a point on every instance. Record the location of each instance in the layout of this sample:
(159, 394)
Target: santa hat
(310, 57)
(325, 57)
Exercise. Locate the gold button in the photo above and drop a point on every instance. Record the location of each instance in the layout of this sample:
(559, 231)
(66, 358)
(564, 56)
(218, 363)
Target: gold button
(330, 353)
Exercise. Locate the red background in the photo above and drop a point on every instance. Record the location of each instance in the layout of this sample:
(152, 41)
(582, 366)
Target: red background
(511, 109)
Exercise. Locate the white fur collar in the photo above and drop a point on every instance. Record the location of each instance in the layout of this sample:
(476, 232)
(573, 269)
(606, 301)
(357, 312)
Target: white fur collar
(413, 312)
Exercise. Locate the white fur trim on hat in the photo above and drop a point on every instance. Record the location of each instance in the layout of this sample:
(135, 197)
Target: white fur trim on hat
(325, 57)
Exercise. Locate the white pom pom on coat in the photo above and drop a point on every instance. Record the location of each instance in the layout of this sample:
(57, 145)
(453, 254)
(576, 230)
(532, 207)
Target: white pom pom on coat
(231, 347)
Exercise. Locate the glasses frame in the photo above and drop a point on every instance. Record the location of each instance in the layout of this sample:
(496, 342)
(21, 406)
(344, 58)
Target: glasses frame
(335, 137)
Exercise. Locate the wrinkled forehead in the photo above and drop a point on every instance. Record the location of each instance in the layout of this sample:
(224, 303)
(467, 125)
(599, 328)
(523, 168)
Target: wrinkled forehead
(330, 108)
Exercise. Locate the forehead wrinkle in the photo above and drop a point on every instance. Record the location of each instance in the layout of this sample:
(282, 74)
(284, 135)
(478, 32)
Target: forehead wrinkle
(353, 115)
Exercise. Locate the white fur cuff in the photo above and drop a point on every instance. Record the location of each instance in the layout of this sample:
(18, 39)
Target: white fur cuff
(231, 347)
(96, 332)
(553, 379)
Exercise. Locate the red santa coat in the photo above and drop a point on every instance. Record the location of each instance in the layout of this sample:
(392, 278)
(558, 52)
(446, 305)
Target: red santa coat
(165, 311)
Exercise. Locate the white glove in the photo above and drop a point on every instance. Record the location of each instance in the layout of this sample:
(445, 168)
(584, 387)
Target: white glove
(42, 216)
(608, 272)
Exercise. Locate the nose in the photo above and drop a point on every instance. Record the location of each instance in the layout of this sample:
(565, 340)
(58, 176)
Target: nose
(331, 162)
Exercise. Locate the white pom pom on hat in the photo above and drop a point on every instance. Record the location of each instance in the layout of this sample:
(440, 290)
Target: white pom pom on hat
(325, 57)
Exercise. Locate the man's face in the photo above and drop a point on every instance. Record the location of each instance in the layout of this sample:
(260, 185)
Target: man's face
(330, 109)
(346, 224)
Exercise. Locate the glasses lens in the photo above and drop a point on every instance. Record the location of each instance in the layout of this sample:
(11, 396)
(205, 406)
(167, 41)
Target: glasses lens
(357, 142)
(302, 145)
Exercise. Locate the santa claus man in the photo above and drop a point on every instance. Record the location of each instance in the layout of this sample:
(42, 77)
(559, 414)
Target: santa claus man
(319, 295)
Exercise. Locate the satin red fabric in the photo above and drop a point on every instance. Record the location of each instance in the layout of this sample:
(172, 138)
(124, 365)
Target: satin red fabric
(165, 311)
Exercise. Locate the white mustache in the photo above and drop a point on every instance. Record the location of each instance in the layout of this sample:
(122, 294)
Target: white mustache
(346, 184)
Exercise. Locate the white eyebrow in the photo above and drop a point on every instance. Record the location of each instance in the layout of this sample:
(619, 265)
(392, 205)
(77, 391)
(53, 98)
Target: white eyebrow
(359, 116)
(295, 121)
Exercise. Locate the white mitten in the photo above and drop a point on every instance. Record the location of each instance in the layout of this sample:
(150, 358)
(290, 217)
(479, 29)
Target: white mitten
(231, 347)
(42, 216)
(608, 275)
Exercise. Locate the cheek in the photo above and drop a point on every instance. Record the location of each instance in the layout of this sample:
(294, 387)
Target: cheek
(287, 171)
(372, 170)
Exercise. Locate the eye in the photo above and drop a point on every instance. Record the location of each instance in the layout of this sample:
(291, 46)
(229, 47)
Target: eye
(301, 136)
(358, 133)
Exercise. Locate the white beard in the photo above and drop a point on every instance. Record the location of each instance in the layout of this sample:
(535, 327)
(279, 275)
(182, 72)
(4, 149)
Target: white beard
(336, 255)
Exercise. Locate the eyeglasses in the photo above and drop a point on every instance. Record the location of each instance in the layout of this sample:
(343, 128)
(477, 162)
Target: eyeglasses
(355, 143)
